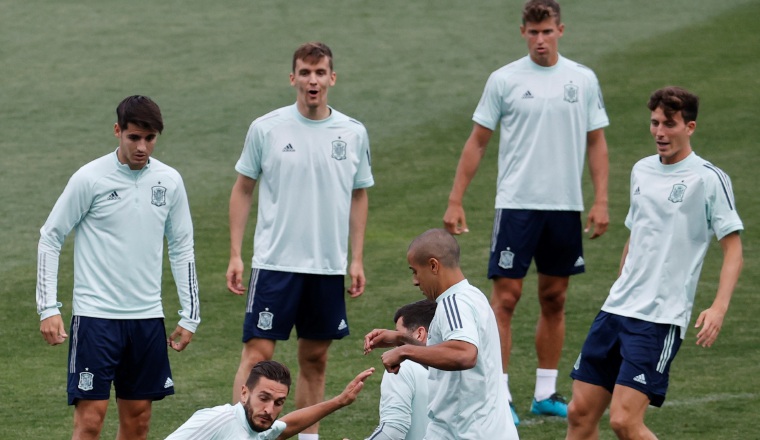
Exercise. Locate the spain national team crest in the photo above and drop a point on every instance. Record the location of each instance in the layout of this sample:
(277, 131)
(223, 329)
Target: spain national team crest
(571, 93)
(338, 150)
(676, 194)
(265, 320)
(158, 196)
(85, 381)
(506, 259)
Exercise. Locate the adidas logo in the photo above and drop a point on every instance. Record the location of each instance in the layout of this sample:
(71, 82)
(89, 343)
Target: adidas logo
(641, 379)
(637, 192)
(342, 324)
(527, 95)
(579, 262)
(169, 383)
(289, 149)
(114, 196)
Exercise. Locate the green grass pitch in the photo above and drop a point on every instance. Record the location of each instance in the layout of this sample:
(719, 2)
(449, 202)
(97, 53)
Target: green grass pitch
(413, 73)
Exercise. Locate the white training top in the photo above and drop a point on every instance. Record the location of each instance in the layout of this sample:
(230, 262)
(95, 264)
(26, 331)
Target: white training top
(224, 422)
(306, 172)
(403, 404)
(468, 404)
(120, 217)
(675, 210)
(544, 114)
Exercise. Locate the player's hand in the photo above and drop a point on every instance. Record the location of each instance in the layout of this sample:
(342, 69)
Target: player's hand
(52, 330)
(380, 338)
(454, 220)
(392, 360)
(235, 276)
(179, 339)
(711, 321)
(356, 272)
(598, 219)
(349, 394)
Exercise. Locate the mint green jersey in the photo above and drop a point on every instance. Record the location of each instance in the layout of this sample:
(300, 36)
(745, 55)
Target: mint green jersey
(468, 404)
(306, 172)
(403, 403)
(675, 211)
(545, 114)
(120, 218)
(224, 422)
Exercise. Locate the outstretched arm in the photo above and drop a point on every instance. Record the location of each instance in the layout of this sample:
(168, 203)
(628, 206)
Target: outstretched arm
(711, 320)
(474, 148)
(599, 168)
(301, 419)
(240, 207)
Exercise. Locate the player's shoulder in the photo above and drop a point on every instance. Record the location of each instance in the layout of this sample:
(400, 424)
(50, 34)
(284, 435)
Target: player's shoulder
(96, 169)
(578, 68)
(274, 118)
(350, 123)
(511, 69)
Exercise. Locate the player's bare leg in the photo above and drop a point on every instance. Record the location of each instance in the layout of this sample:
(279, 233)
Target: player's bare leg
(88, 419)
(134, 419)
(585, 410)
(504, 298)
(627, 412)
(310, 384)
(550, 331)
(254, 350)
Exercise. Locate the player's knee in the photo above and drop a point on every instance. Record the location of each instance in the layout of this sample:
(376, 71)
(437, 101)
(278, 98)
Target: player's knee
(88, 423)
(622, 424)
(552, 301)
(505, 298)
(577, 414)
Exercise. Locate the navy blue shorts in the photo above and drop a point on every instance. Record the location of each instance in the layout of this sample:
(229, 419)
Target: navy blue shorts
(630, 352)
(131, 353)
(553, 238)
(277, 301)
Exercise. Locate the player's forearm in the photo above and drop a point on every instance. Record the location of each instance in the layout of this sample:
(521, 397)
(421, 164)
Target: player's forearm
(472, 153)
(47, 280)
(240, 208)
(733, 261)
(301, 419)
(358, 223)
(447, 356)
(599, 165)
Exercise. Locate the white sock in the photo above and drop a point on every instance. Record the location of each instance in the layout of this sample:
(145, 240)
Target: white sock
(303, 436)
(506, 381)
(546, 384)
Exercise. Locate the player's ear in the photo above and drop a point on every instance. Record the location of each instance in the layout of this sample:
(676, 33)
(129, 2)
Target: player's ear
(116, 130)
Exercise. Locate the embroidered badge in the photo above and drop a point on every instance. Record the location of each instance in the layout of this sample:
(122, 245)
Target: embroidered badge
(85, 381)
(265, 320)
(676, 194)
(338, 150)
(506, 258)
(158, 196)
(571, 93)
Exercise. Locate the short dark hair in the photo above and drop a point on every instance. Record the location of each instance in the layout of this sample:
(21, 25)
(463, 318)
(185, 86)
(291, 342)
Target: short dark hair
(416, 314)
(435, 243)
(674, 99)
(536, 11)
(312, 52)
(271, 370)
(141, 111)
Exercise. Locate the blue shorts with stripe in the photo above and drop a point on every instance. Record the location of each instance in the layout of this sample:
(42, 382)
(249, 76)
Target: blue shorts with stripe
(553, 238)
(630, 352)
(277, 301)
(130, 353)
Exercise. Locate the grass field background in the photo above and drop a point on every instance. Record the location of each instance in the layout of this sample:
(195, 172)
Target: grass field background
(413, 73)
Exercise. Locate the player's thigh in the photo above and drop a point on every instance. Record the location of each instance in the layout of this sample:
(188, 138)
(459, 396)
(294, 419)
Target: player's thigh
(95, 350)
(648, 350)
(559, 251)
(322, 310)
(144, 372)
(599, 360)
(514, 238)
(272, 304)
